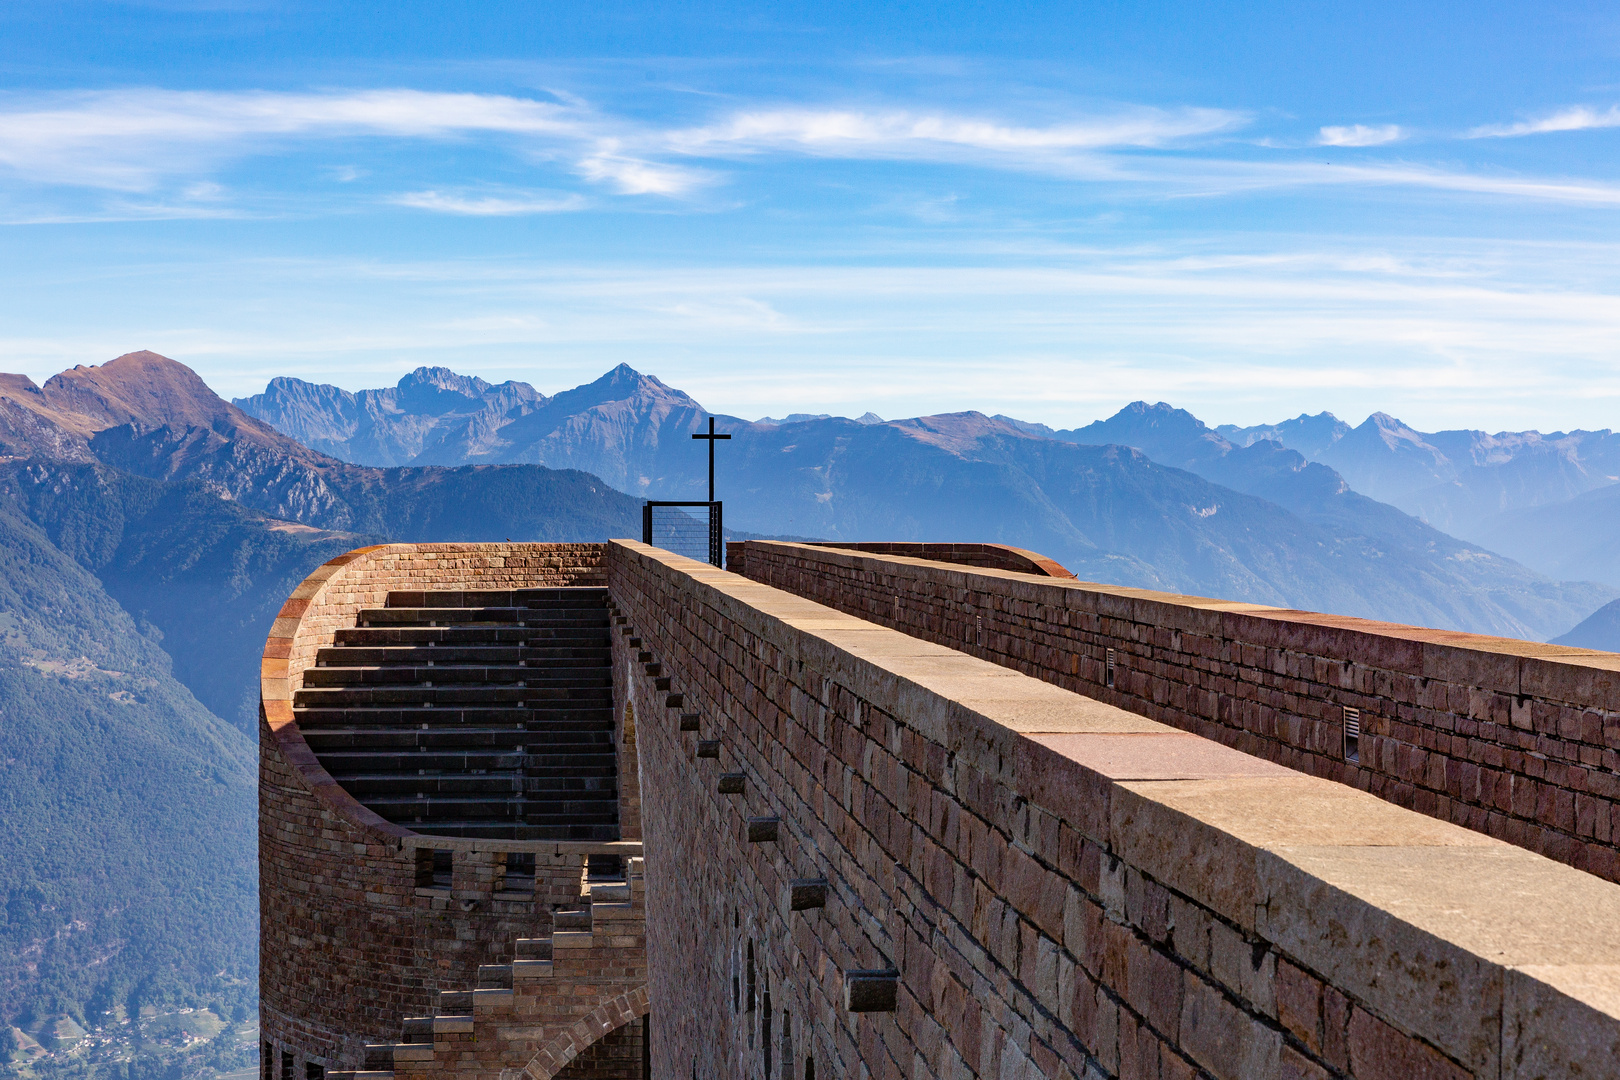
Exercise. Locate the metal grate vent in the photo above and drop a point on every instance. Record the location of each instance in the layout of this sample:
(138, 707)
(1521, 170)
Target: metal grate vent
(1352, 735)
(1108, 679)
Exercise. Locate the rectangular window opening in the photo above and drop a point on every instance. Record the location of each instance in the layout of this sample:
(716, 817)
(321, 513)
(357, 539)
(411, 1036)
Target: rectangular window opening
(433, 869)
(286, 1065)
(314, 1071)
(518, 875)
(1352, 735)
(1108, 678)
(604, 867)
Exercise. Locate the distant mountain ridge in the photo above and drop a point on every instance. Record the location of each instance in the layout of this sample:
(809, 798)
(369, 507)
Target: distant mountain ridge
(1303, 538)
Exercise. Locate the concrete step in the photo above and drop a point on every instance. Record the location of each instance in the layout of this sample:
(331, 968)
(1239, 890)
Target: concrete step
(471, 635)
(503, 653)
(550, 674)
(455, 1001)
(564, 596)
(538, 948)
(378, 1055)
(488, 616)
(430, 693)
(560, 738)
(547, 719)
(571, 920)
(488, 806)
(510, 830)
(494, 977)
(372, 786)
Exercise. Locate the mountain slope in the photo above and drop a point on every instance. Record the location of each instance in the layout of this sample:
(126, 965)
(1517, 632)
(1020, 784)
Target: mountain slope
(126, 815)
(1573, 538)
(207, 575)
(1599, 630)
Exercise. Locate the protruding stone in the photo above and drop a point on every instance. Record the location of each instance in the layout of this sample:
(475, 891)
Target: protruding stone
(807, 893)
(709, 748)
(871, 990)
(689, 721)
(763, 830)
(731, 783)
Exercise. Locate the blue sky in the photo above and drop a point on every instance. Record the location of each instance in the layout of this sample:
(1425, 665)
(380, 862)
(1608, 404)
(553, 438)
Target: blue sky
(1250, 210)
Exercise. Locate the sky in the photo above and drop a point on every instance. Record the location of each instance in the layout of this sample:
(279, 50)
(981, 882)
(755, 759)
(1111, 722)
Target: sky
(1250, 210)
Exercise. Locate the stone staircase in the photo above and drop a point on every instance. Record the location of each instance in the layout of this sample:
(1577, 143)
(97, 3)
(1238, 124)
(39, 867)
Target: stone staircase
(475, 714)
(489, 1027)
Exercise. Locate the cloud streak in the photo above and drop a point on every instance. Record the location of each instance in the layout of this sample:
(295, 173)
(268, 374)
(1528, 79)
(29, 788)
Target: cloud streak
(845, 133)
(1575, 118)
(150, 142)
(487, 205)
(1360, 135)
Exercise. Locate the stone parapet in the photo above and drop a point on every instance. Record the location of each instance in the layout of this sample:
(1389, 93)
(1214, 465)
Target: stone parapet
(1027, 882)
(1514, 739)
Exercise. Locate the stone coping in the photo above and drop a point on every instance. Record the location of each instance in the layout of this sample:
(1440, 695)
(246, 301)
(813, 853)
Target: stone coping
(474, 844)
(281, 674)
(1504, 665)
(1016, 559)
(1506, 960)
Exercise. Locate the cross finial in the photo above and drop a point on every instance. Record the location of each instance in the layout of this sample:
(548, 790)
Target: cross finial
(711, 437)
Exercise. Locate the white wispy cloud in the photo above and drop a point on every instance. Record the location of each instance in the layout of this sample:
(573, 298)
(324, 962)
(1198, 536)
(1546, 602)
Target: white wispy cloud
(1360, 135)
(850, 133)
(636, 175)
(492, 205)
(128, 139)
(160, 144)
(1575, 118)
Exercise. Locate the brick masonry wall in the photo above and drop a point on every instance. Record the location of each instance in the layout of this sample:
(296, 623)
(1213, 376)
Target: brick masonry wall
(348, 945)
(1065, 889)
(1517, 740)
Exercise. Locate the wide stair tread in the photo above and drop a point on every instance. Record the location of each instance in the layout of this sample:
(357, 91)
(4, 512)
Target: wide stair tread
(473, 713)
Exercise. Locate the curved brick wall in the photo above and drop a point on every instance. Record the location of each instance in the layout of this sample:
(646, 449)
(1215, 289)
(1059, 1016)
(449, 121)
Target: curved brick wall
(349, 946)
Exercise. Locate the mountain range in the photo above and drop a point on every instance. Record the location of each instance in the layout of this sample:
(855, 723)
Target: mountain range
(149, 531)
(1191, 511)
(1547, 500)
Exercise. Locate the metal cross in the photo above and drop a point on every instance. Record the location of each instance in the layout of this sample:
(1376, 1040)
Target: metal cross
(711, 437)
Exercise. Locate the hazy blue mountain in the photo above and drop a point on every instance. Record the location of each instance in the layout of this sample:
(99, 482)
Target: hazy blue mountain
(1599, 630)
(1310, 435)
(1575, 537)
(1457, 481)
(391, 426)
(1111, 513)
